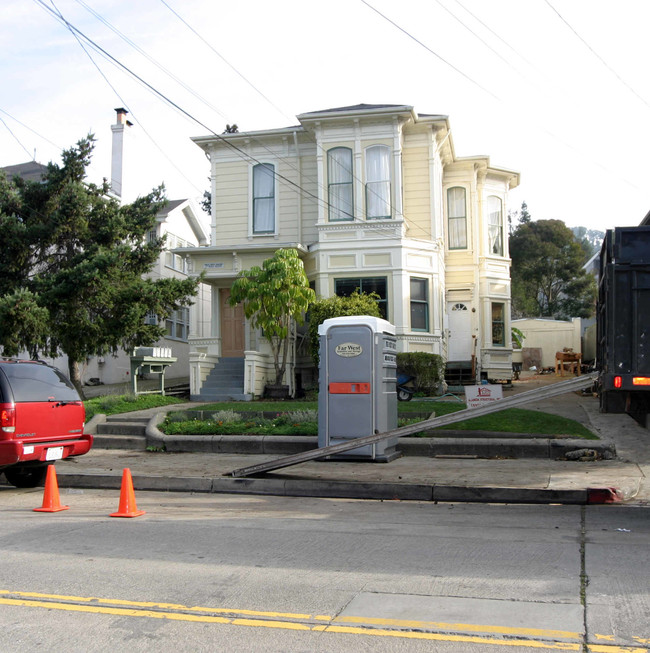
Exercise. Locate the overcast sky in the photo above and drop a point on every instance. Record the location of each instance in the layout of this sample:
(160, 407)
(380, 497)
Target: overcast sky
(558, 90)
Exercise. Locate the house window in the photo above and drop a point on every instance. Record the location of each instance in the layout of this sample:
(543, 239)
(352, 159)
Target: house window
(419, 305)
(339, 184)
(495, 225)
(498, 325)
(177, 325)
(175, 261)
(264, 198)
(457, 217)
(378, 182)
(345, 287)
(151, 318)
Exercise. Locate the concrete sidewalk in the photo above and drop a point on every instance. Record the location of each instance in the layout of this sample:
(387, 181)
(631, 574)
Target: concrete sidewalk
(520, 480)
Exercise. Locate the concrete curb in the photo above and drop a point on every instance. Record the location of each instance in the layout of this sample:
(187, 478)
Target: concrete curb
(280, 445)
(296, 487)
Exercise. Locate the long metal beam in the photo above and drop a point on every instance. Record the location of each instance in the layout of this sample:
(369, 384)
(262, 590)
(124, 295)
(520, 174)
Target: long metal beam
(492, 407)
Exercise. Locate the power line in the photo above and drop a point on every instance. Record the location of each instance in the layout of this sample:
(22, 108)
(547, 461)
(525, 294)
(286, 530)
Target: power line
(16, 137)
(584, 42)
(209, 45)
(22, 124)
(183, 84)
(540, 127)
(101, 72)
(435, 54)
(241, 153)
(162, 96)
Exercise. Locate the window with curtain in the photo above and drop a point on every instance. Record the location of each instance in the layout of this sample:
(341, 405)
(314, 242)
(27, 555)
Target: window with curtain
(498, 325)
(495, 225)
(264, 198)
(177, 325)
(345, 287)
(419, 305)
(378, 182)
(457, 217)
(339, 184)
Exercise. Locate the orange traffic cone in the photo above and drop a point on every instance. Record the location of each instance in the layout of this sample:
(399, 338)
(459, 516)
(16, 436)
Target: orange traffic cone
(51, 501)
(127, 506)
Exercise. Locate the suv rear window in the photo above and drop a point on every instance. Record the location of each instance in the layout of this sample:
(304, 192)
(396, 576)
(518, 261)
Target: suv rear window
(35, 382)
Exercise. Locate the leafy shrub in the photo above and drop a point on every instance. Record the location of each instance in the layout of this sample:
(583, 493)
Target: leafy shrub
(323, 309)
(428, 370)
(302, 416)
(226, 417)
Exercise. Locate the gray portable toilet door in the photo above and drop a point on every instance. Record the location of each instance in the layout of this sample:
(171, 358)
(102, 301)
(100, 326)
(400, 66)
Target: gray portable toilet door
(349, 383)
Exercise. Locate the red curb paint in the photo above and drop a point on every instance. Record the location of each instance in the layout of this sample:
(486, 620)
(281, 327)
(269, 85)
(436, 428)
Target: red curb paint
(603, 495)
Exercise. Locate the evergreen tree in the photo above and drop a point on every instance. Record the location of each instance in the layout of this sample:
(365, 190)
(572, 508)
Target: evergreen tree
(547, 275)
(71, 277)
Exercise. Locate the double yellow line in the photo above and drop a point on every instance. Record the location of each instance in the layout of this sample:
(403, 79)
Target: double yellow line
(372, 627)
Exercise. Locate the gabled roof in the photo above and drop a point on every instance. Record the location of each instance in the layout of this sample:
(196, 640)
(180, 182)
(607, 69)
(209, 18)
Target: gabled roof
(30, 171)
(170, 206)
(191, 213)
(360, 107)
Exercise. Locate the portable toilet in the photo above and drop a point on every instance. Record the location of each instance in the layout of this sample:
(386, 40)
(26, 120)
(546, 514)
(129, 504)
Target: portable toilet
(357, 377)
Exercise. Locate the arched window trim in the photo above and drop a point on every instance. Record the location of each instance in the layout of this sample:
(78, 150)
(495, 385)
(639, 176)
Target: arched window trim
(378, 189)
(495, 227)
(263, 201)
(457, 219)
(340, 187)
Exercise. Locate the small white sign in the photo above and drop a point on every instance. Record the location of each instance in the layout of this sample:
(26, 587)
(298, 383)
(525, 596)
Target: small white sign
(348, 349)
(479, 395)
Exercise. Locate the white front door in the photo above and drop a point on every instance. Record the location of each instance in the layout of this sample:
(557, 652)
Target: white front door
(459, 347)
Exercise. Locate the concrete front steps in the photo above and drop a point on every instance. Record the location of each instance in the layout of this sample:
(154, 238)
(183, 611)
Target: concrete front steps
(224, 383)
(122, 432)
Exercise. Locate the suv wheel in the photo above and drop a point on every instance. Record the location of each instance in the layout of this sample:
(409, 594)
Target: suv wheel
(26, 476)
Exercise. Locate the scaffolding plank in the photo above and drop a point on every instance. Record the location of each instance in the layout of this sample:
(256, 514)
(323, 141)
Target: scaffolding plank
(510, 402)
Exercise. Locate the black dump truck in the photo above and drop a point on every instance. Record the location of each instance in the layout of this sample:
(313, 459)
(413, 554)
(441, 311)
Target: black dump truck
(623, 324)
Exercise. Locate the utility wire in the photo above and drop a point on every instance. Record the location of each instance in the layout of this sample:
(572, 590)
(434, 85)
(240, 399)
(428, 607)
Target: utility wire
(123, 102)
(209, 45)
(22, 124)
(199, 97)
(241, 153)
(247, 157)
(16, 137)
(584, 42)
(540, 127)
(435, 54)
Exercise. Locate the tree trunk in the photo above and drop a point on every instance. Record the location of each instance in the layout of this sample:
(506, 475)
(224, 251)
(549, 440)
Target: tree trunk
(75, 377)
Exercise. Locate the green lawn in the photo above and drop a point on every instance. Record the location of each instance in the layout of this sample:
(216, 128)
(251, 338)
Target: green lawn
(114, 404)
(512, 420)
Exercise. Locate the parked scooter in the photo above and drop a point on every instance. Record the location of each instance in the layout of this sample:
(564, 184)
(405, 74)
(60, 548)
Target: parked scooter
(405, 387)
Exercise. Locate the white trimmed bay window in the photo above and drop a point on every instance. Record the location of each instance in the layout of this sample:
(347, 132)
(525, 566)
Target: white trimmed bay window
(339, 184)
(495, 225)
(378, 182)
(457, 217)
(264, 198)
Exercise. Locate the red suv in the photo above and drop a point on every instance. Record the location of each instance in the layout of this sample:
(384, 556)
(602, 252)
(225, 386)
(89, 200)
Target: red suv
(42, 420)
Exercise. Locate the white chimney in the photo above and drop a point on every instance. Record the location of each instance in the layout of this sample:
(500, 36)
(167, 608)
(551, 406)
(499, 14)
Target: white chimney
(118, 156)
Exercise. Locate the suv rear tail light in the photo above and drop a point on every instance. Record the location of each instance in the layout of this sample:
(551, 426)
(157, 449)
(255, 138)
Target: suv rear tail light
(7, 418)
(641, 380)
(618, 381)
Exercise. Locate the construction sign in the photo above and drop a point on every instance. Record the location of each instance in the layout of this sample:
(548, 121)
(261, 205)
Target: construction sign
(479, 395)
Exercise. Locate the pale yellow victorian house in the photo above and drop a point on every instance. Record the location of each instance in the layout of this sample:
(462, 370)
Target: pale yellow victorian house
(372, 197)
